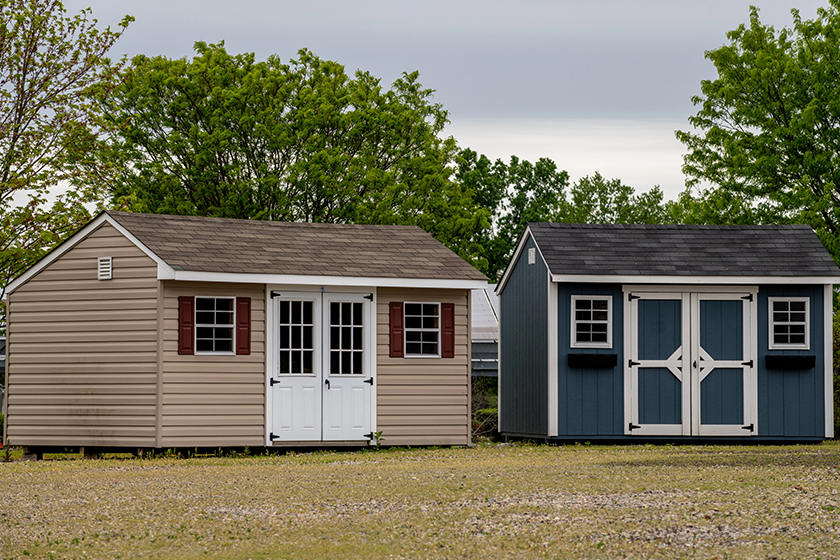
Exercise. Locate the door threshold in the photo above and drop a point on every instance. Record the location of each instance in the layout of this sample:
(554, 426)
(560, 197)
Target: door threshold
(352, 443)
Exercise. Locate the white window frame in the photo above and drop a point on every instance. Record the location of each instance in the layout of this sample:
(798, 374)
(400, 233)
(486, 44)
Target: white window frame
(406, 329)
(574, 322)
(772, 344)
(232, 326)
(316, 330)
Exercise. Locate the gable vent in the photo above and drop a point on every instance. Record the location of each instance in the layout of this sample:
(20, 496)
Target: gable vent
(105, 268)
(532, 255)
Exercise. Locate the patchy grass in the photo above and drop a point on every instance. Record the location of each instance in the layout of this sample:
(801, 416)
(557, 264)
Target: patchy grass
(485, 502)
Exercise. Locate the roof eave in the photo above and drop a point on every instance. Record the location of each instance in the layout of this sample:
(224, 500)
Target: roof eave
(692, 280)
(311, 280)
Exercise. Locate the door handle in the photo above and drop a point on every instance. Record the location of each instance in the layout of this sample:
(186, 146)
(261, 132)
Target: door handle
(695, 364)
(327, 382)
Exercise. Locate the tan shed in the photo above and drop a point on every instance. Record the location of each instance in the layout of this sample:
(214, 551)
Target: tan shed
(147, 331)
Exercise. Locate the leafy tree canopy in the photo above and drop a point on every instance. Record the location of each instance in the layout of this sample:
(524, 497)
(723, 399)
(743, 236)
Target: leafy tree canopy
(519, 192)
(49, 65)
(768, 128)
(515, 194)
(229, 136)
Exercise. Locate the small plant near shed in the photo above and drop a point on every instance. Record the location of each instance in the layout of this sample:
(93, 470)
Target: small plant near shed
(378, 438)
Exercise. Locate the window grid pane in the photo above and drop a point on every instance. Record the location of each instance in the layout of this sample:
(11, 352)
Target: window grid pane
(346, 338)
(591, 321)
(214, 324)
(789, 320)
(296, 342)
(422, 329)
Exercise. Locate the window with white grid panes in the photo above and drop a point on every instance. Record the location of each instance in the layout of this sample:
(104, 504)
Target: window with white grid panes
(297, 337)
(422, 329)
(346, 338)
(591, 321)
(214, 325)
(789, 322)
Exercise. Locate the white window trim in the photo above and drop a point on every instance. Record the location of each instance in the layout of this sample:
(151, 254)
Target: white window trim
(573, 322)
(406, 329)
(232, 351)
(770, 332)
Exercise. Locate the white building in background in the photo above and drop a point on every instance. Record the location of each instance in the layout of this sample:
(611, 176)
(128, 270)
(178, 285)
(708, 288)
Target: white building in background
(484, 307)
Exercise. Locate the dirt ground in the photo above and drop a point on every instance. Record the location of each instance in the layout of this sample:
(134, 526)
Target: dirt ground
(494, 501)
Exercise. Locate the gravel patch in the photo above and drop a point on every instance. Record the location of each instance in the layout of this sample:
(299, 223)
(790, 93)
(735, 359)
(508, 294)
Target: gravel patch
(485, 502)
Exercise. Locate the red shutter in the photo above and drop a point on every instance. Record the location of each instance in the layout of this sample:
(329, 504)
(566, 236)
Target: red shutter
(243, 326)
(397, 329)
(186, 325)
(448, 330)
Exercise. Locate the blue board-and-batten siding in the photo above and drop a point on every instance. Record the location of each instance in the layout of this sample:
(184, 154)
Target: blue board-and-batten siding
(590, 400)
(523, 349)
(791, 403)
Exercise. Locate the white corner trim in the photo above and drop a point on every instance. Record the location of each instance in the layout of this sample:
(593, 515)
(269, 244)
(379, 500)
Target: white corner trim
(553, 357)
(73, 240)
(828, 360)
(695, 280)
(344, 281)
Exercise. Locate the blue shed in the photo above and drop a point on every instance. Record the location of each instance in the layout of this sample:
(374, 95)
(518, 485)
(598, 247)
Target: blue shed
(621, 332)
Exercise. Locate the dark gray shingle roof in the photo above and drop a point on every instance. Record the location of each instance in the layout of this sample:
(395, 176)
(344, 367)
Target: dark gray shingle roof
(680, 250)
(259, 247)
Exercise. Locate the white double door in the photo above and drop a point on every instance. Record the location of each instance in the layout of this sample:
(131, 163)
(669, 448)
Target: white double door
(320, 385)
(691, 367)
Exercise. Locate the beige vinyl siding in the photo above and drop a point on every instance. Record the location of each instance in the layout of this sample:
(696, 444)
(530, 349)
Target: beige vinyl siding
(423, 401)
(211, 401)
(82, 351)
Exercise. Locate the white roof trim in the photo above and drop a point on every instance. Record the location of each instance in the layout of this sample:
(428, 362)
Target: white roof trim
(694, 280)
(519, 248)
(369, 281)
(73, 240)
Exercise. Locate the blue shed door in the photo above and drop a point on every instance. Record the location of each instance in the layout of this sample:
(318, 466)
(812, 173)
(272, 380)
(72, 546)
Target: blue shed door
(659, 396)
(722, 365)
(690, 370)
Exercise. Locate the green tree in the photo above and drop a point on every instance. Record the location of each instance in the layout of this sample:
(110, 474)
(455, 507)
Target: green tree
(768, 128)
(49, 65)
(229, 136)
(514, 194)
(596, 200)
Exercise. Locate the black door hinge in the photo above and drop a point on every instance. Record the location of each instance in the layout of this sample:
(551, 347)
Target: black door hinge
(369, 297)
(369, 381)
(631, 297)
(368, 436)
(275, 294)
(751, 427)
(750, 363)
(631, 363)
(272, 437)
(748, 298)
(272, 382)
(633, 426)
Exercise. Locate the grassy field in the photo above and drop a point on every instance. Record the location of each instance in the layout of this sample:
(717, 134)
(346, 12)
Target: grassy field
(485, 502)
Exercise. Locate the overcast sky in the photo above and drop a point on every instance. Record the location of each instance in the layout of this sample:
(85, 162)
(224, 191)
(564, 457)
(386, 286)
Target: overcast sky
(595, 86)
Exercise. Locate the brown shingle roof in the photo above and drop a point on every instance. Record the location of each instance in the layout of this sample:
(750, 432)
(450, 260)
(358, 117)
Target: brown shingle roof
(259, 247)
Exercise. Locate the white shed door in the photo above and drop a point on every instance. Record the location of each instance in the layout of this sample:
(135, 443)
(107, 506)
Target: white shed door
(346, 361)
(321, 384)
